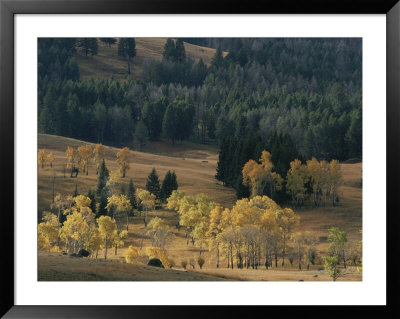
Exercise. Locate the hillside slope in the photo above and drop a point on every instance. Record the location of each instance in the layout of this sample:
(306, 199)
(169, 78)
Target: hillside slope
(107, 63)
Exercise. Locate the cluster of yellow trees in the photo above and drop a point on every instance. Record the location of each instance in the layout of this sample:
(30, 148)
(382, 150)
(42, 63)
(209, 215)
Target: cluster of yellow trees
(80, 158)
(44, 158)
(253, 230)
(323, 177)
(80, 229)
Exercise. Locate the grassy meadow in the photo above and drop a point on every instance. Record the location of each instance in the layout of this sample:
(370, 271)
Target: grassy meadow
(195, 167)
(108, 64)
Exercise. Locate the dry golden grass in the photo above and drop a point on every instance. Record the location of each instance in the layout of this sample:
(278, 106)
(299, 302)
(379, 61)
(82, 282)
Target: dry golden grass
(107, 63)
(56, 267)
(195, 168)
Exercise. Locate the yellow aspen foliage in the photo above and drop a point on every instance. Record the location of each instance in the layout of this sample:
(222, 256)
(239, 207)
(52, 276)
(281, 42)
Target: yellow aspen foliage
(71, 155)
(68, 201)
(123, 159)
(296, 180)
(48, 229)
(286, 220)
(84, 154)
(263, 202)
(325, 180)
(117, 239)
(43, 243)
(257, 176)
(75, 230)
(146, 198)
(42, 157)
(113, 180)
(132, 255)
(315, 174)
(98, 154)
(119, 204)
(82, 201)
(50, 159)
(173, 202)
(157, 252)
(265, 161)
(107, 228)
(82, 205)
(336, 179)
(94, 241)
(254, 176)
(56, 249)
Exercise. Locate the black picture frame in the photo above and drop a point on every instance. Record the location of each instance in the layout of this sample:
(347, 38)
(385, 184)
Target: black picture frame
(8, 8)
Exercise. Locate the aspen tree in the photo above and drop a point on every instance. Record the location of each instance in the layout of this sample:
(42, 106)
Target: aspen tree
(123, 159)
(50, 159)
(98, 156)
(107, 228)
(42, 157)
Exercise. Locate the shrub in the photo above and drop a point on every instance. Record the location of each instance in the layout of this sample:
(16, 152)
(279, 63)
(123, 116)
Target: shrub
(171, 262)
(132, 255)
(200, 260)
(56, 249)
(192, 263)
(157, 252)
(184, 263)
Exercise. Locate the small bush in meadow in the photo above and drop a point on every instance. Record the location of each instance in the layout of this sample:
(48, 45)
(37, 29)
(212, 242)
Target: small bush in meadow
(184, 263)
(132, 255)
(192, 263)
(200, 261)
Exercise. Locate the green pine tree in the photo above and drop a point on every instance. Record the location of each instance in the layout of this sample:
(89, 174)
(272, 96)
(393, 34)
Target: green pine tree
(92, 196)
(103, 178)
(101, 209)
(131, 194)
(153, 184)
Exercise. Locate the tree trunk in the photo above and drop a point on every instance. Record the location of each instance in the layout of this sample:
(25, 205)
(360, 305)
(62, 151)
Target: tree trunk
(129, 68)
(105, 247)
(127, 221)
(217, 257)
(200, 246)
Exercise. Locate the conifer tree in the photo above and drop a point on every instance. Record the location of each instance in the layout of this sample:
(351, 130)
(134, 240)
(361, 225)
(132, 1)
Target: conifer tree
(92, 197)
(166, 186)
(131, 194)
(169, 185)
(103, 178)
(102, 210)
(153, 184)
(108, 41)
(76, 190)
(127, 50)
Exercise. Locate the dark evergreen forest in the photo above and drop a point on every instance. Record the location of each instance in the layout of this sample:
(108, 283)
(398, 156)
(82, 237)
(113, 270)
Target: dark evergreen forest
(296, 97)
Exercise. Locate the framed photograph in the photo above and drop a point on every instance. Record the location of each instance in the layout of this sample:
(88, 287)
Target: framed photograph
(165, 154)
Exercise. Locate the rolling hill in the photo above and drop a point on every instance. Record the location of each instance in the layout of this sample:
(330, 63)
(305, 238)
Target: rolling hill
(108, 64)
(195, 168)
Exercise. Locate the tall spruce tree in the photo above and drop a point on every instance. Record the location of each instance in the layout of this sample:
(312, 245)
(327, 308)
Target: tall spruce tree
(108, 41)
(92, 196)
(102, 210)
(131, 194)
(103, 178)
(153, 184)
(88, 45)
(169, 185)
(127, 50)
